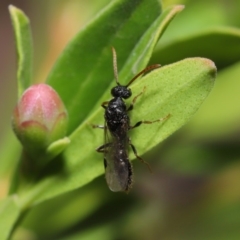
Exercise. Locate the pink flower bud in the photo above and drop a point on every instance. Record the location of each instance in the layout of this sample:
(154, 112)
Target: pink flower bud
(39, 118)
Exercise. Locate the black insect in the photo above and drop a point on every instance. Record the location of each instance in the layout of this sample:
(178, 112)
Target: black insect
(118, 169)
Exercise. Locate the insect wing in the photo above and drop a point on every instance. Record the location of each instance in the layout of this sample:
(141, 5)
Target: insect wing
(118, 169)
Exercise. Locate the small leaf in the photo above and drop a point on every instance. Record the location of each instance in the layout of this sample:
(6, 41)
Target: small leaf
(23, 46)
(56, 148)
(9, 212)
(178, 89)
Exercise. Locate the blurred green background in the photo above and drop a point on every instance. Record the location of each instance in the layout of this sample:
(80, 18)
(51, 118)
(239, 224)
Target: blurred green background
(194, 192)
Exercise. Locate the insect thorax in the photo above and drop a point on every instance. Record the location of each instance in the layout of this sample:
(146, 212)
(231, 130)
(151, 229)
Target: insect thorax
(116, 116)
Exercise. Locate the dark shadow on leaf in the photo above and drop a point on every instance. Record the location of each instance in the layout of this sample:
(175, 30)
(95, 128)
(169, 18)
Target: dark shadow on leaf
(34, 171)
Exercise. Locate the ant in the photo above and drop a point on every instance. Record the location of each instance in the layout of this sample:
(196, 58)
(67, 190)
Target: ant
(118, 169)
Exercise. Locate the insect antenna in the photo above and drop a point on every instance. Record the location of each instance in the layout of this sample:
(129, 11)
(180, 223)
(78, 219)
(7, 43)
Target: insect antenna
(149, 68)
(115, 70)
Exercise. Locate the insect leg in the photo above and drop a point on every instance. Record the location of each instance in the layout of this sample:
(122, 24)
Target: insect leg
(149, 122)
(104, 104)
(103, 148)
(138, 157)
(134, 99)
(98, 126)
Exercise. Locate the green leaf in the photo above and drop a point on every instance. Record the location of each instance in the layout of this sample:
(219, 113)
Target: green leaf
(10, 151)
(9, 212)
(55, 149)
(23, 46)
(84, 70)
(210, 43)
(178, 89)
(209, 15)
